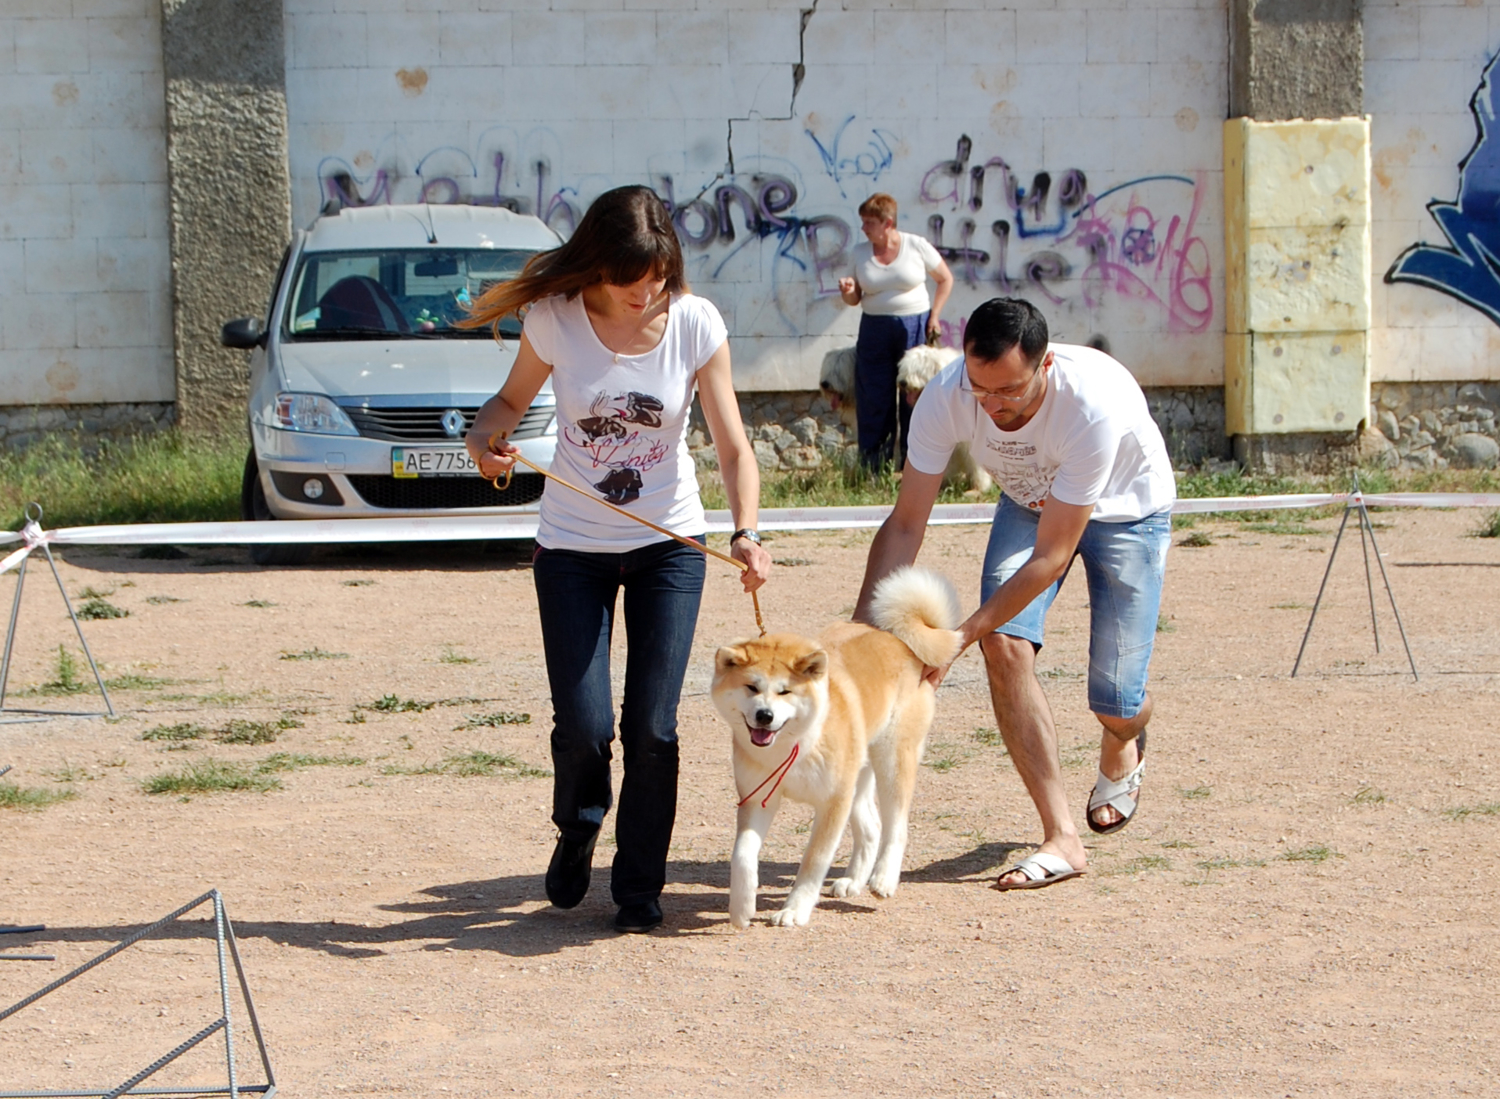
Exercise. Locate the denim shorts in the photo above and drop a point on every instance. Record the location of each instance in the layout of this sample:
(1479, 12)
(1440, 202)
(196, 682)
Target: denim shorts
(1125, 564)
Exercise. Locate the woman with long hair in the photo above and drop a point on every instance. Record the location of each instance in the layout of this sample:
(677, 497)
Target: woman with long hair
(610, 318)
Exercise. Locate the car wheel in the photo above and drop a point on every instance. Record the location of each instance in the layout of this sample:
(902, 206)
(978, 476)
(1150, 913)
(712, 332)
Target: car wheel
(253, 508)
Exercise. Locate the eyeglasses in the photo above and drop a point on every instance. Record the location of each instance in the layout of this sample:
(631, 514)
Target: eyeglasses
(1014, 394)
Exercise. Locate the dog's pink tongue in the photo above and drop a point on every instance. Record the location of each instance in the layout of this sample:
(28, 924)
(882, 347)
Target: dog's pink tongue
(761, 737)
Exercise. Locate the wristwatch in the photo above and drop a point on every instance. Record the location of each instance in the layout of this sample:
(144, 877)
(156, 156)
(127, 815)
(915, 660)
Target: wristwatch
(746, 533)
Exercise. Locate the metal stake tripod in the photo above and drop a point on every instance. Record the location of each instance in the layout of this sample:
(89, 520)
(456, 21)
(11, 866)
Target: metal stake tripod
(1356, 502)
(34, 517)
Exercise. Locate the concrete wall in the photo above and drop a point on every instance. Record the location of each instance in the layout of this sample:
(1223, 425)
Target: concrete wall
(84, 304)
(1424, 62)
(766, 126)
(766, 129)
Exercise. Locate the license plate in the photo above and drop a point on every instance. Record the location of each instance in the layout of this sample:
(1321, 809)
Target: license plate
(415, 461)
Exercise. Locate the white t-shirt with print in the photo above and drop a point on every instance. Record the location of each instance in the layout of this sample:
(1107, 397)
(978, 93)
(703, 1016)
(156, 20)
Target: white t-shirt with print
(622, 425)
(898, 288)
(1093, 441)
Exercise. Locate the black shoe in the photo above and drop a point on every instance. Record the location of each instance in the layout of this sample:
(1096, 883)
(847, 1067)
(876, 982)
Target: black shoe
(634, 919)
(568, 872)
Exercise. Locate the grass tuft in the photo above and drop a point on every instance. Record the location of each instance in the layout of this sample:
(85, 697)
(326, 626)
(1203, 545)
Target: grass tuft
(258, 603)
(133, 681)
(293, 761)
(390, 704)
(1228, 864)
(1196, 539)
(453, 656)
(989, 736)
(1313, 852)
(211, 776)
(185, 730)
(30, 798)
(1459, 812)
(493, 721)
(473, 765)
(313, 654)
(65, 677)
(162, 600)
(1367, 795)
(1164, 624)
(1489, 526)
(240, 731)
(96, 609)
(1197, 793)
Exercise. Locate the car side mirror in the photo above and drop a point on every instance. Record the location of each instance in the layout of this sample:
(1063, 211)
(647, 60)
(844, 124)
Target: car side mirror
(243, 334)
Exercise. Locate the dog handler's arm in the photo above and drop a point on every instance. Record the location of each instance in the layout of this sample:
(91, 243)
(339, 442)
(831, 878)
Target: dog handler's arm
(737, 462)
(1057, 534)
(943, 277)
(504, 410)
(900, 536)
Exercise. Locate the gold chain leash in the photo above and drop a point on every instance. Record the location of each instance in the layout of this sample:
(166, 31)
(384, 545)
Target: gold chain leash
(518, 456)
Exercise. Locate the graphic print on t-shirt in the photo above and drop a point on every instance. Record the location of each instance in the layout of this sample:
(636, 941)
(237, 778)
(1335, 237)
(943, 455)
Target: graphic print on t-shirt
(610, 435)
(1019, 473)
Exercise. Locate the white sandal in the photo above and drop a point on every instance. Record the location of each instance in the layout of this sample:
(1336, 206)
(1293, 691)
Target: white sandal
(1039, 869)
(1122, 796)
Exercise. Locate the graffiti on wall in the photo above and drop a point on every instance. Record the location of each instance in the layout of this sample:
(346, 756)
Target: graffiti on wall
(1131, 239)
(1052, 236)
(1469, 269)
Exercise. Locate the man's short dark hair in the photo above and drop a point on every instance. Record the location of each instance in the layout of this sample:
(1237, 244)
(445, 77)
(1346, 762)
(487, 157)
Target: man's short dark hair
(1001, 323)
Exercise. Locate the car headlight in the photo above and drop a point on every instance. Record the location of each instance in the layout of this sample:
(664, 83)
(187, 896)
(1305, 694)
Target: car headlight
(312, 412)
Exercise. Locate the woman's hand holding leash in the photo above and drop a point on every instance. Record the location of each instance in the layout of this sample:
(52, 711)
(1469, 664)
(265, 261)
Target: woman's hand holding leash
(497, 459)
(756, 560)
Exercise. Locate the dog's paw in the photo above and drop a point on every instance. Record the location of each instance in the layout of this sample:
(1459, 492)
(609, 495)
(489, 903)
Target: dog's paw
(790, 917)
(883, 882)
(739, 920)
(846, 887)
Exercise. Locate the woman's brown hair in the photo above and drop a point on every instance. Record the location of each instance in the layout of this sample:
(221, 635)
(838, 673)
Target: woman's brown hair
(625, 235)
(879, 205)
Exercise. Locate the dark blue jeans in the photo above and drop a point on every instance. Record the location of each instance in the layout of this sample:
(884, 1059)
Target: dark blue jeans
(879, 408)
(576, 595)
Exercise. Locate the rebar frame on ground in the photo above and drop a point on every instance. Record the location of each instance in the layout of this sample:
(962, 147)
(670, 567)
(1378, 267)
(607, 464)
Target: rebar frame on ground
(224, 932)
(33, 522)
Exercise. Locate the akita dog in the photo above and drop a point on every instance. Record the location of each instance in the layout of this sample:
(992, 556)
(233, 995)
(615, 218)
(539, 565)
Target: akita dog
(837, 723)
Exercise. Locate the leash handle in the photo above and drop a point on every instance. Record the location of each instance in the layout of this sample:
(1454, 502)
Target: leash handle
(519, 457)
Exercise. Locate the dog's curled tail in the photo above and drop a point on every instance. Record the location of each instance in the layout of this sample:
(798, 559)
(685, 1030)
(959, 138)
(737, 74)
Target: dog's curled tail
(921, 609)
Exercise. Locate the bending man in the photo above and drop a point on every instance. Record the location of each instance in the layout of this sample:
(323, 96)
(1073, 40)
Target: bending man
(1068, 436)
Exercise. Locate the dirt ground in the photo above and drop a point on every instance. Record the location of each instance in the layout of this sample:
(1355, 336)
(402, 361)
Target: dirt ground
(1304, 905)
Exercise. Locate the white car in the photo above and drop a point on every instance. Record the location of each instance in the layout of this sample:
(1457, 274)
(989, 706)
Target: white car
(361, 389)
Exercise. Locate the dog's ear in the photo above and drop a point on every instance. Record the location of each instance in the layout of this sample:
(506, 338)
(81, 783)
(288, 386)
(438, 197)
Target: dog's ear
(812, 666)
(731, 656)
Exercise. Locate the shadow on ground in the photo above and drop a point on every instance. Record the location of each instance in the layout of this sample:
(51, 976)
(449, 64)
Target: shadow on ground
(487, 556)
(509, 915)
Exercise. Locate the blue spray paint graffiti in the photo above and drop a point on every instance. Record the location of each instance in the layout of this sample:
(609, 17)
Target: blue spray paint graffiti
(871, 160)
(1470, 269)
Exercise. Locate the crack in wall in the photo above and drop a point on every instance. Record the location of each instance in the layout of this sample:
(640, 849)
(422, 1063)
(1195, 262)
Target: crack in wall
(799, 71)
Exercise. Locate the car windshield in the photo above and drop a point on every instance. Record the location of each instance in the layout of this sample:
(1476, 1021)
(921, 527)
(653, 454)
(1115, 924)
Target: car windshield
(405, 294)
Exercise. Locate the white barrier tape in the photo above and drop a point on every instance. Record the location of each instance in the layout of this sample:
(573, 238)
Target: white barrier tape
(523, 526)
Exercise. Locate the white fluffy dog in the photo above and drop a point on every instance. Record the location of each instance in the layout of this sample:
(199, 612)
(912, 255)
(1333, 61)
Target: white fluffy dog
(917, 367)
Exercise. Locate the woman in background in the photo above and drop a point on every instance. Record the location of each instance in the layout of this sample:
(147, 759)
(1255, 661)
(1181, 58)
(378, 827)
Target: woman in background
(610, 318)
(890, 285)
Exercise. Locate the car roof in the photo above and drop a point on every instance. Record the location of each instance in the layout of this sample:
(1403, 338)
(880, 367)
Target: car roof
(416, 226)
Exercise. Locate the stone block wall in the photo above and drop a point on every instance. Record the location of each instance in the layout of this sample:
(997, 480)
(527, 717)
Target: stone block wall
(799, 430)
(85, 313)
(1067, 152)
(1436, 425)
